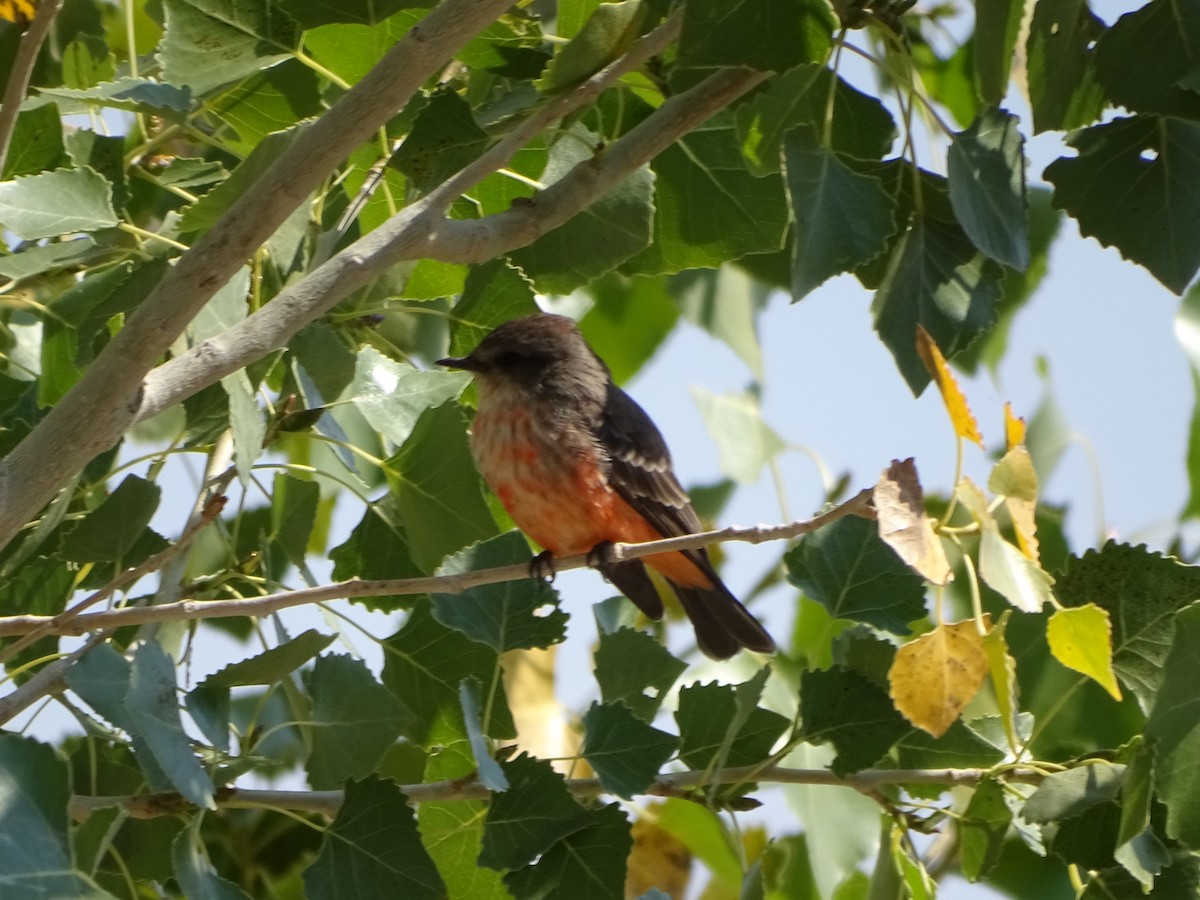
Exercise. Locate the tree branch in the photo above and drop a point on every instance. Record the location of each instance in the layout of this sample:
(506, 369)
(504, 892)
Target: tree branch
(327, 803)
(442, 584)
(421, 231)
(95, 413)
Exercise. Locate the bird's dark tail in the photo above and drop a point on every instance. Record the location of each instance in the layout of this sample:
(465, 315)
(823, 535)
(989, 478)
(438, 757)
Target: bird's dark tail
(723, 626)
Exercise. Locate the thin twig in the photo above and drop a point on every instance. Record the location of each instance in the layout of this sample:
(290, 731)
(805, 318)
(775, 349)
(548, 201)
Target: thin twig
(327, 803)
(441, 584)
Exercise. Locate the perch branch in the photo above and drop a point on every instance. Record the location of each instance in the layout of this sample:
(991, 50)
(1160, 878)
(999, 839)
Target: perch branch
(442, 584)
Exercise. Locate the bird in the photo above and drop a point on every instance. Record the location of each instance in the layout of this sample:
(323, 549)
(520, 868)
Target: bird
(580, 466)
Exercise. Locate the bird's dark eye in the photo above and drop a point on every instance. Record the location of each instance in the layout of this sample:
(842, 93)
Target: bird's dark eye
(510, 359)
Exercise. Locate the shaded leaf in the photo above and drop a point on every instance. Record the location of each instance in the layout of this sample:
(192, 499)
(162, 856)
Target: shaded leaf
(534, 814)
(374, 845)
(511, 615)
(852, 713)
(354, 721)
(1062, 795)
(1063, 89)
(745, 33)
(625, 751)
(111, 530)
(1156, 222)
(849, 570)
(207, 43)
(634, 668)
(588, 863)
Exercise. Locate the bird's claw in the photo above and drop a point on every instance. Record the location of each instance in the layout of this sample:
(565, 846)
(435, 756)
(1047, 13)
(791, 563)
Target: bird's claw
(601, 559)
(541, 567)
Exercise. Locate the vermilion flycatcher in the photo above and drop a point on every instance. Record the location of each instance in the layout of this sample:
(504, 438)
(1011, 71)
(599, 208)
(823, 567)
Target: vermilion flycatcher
(578, 465)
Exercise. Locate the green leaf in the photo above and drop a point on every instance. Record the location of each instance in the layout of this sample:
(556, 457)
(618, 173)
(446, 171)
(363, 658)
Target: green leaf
(843, 219)
(207, 43)
(1173, 730)
(95, 300)
(1062, 795)
(986, 166)
(424, 663)
(1017, 287)
(35, 789)
(393, 395)
(438, 494)
(982, 829)
(938, 280)
(858, 125)
(142, 95)
(725, 303)
(493, 293)
(708, 208)
(314, 13)
(40, 586)
(534, 814)
(703, 833)
(625, 751)
(444, 138)
(629, 320)
(606, 233)
(744, 441)
(847, 710)
(849, 570)
(1139, 849)
(272, 665)
(152, 712)
(710, 727)
(36, 144)
(88, 61)
(350, 50)
(374, 845)
(35, 260)
(634, 668)
(453, 829)
(58, 202)
(996, 28)
(376, 548)
(195, 874)
(206, 211)
(110, 531)
(270, 100)
(1180, 880)
(775, 36)
(605, 35)
(1063, 90)
(247, 421)
(488, 771)
(511, 615)
(293, 514)
(1143, 59)
(959, 748)
(1142, 591)
(1152, 221)
(210, 708)
(1011, 573)
(589, 863)
(355, 720)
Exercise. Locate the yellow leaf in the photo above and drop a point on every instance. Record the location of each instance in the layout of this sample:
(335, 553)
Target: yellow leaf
(955, 400)
(1014, 428)
(1004, 678)
(935, 676)
(19, 12)
(658, 859)
(903, 524)
(1015, 480)
(1081, 639)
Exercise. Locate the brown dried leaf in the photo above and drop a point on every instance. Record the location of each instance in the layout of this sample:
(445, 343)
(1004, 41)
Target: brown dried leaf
(903, 525)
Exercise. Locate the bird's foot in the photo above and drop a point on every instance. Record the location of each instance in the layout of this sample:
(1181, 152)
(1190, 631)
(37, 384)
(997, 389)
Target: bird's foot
(601, 559)
(541, 567)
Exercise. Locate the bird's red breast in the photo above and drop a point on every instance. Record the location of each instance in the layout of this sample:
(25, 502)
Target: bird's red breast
(554, 485)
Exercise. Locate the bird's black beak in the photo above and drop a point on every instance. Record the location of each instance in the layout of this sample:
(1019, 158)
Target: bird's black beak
(467, 363)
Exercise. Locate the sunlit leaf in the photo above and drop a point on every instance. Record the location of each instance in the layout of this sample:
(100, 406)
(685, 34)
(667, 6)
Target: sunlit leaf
(937, 674)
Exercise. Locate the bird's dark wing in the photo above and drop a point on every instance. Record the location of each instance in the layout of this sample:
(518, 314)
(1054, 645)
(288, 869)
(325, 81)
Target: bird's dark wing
(640, 466)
